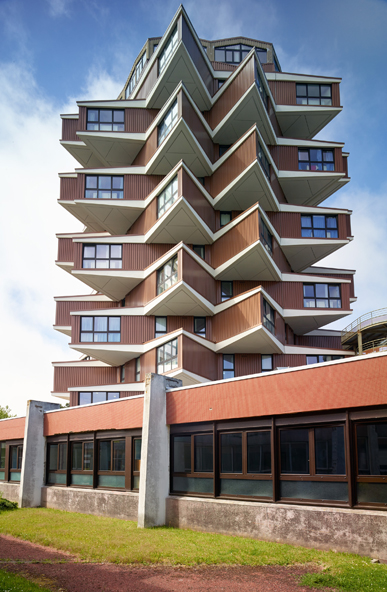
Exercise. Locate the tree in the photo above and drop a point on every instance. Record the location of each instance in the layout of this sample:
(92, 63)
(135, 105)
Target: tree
(5, 412)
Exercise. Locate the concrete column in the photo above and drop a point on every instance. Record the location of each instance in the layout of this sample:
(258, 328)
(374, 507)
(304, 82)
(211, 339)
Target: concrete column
(360, 342)
(154, 474)
(32, 472)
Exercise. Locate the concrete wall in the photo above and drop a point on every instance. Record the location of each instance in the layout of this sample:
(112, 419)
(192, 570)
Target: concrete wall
(115, 504)
(10, 491)
(353, 531)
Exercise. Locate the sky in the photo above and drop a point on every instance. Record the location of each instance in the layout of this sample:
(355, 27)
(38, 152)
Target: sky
(55, 52)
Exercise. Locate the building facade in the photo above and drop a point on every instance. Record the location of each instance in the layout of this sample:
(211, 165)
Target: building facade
(201, 191)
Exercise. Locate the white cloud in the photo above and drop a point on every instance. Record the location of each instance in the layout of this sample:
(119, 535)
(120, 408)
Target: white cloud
(58, 8)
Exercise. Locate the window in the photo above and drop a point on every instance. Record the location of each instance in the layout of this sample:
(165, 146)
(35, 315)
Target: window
(266, 238)
(101, 329)
(263, 160)
(2, 460)
(314, 94)
(315, 159)
(192, 463)
(57, 463)
(276, 64)
(111, 463)
(167, 357)
(160, 326)
(371, 444)
(226, 290)
(102, 257)
(319, 226)
(137, 376)
(86, 398)
(228, 366)
(200, 326)
(201, 180)
(266, 362)
(136, 462)
(223, 149)
(122, 374)
(168, 49)
(220, 83)
(322, 296)
(320, 359)
(167, 123)
(268, 317)
(260, 86)
(167, 197)
(104, 187)
(225, 218)
(136, 75)
(167, 276)
(235, 54)
(15, 462)
(106, 120)
(82, 463)
(199, 250)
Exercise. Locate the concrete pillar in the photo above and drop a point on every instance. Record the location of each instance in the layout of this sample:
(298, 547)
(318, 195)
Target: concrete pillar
(360, 342)
(154, 474)
(32, 472)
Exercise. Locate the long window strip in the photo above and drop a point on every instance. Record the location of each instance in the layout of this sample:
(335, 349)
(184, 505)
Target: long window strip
(100, 329)
(167, 276)
(319, 226)
(315, 159)
(167, 356)
(106, 120)
(266, 238)
(263, 161)
(167, 198)
(261, 88)
(167, 123)
(89, 397)
(235, 54)
(322, 295)
(268, 317)
(104, 187)
(102, 256)
(168, 49)
(314, 94)
(136, 75)
(320, 359)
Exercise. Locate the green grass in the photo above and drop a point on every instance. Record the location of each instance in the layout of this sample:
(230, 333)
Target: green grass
(11, 583)
(99, 539)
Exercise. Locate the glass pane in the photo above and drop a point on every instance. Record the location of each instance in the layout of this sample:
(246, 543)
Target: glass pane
(372, 449)
(267, 362)
(331, 222)
(315, 155)
(106, 115)
(313, 90)
(90, 194)
(161, 324)
(117, 182)
(306, 221)
(301, 90)
(318, 221)
(102, 251)
(330, 455)
(119, 455)
(295, 451)
(113, 396)
(193, 484)
(311, 359)
(203, 453)
(372, 493)
(328, 156)
(319, 233)
(248, 487)
(303, 155)
(200, 325)
(84, 398)
(82, 480)
(99, 396)
(91, 182)
(116, 251)
(118, 116)
(88, 456)
(2, 475)
(115, 324)
(334, 291)
(321, 290)
(325, 90)
(56, 478)
(62, 457)
(89, 251)
(100, 323)
(104, 456)
(76, 456)
(182, 454)
(15, 476)
(220, 55)
(111, 481)
(306, 233)
(226, 289)
(53, 457)
(13, 457)
(258, 452)
(225, 218)
(317, 490)
(137, 454)
(92, 115)
(136, 481)
(104, 182)
(231, 453)
(86, 323)
(2, 455)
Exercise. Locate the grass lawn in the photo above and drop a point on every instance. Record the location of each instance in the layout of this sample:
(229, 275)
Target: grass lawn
(11, 583)
(99, 539)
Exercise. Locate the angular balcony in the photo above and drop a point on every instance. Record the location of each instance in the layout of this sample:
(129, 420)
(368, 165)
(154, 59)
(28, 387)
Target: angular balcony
(81, 373)
(68, 304)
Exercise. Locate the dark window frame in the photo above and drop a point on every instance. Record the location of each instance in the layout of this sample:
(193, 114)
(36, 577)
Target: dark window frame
(224, 213)
(315, 230)
(93, 332)
(223, 295)
(306, 97)
(268, 316)
(266, 237)
(228, 370)
(101, 193)
(160, 333)
(321, 361)
(200, 251)
(192, 474)
(168, 49)
(172, 279)
(267, 356)
(312, 163)
(118, 124)
(91, 393)
(137, 370)
(173, 360)
(164, 129)
(135, 77)
(320, 298)
(110, 259)
(173, 188)
(201, 332)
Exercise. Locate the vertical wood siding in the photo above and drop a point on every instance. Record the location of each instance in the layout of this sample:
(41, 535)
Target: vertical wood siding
(138, 120)
(137, 329)
(235, 240)
(246, 364)
(199, 359)
(318, 341)
(71, 188)
(63, 309)
(148, 82)
(279, 257)
(140, 186)
(139, 256)
(237, 318)
(143, 293)
(65, 249)
(196, 126)
(146, 220)
(198, 278)
(148, 363)
(69, 129)
(147, 151)
(234, 165)
(70, 376)
(284, 92)
(196, 199)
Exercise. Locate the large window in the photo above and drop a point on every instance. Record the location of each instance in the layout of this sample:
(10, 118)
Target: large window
(104, 187)
(100, 329)
(320, 359)
(57, 463)
(136, 75)
(15, 462)
(266, 237)
(268, 317)
(102, 257)
(319, 226)
(192, 463)
(168, 49)
(106, 120)
(200, 250)
(167, 276)
(2, 460)
(322, 296)
(167, 358)
(371, 444)
(315, 159)
(228, 365)
(235, 54)
(167, 123)
(314, 94)
(111, 463)
(137, 376)
(167, 197)
(226, 290)
(88, 397)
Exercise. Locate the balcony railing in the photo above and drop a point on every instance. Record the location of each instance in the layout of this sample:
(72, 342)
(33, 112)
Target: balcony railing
(376, 317)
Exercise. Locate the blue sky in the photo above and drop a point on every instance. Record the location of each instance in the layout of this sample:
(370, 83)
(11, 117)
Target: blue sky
(54, 52)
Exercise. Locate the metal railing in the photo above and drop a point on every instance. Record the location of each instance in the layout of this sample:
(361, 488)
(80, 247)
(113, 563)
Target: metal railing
(376, 344)
(376, 317)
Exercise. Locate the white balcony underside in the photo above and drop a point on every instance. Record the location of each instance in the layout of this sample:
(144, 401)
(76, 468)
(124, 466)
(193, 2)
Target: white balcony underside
(304, 121)
(180, 300)
(115, 284)
(114, 354)
(66, 330)
(253, 263)
(188, 378)
(180, 223)
(113, 149)
(303, 321)
(255, 340)
(303, 252)
(309, 188)
(82, 154)
(115, 216)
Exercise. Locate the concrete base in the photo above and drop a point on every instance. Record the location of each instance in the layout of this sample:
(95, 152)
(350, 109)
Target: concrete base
(353, 531)
(10, 491)
(114, 504)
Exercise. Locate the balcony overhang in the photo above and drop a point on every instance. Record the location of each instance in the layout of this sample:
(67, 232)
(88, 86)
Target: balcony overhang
(251, 186)
(179, 68)
(65, 396)
(310, 188)
(307, 320)
(180, 300)
(180, 223)
(113, 149)
(253, 263)
(65, 265)
(255, 340)
(66, 330)
(188, 378)
(248, 111)
(114, 354)
(114, 283)
(82, 154)
(303, 252)
(304, 121)
(100, 215)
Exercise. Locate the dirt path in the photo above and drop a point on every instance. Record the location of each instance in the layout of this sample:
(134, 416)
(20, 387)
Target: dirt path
(63, 572)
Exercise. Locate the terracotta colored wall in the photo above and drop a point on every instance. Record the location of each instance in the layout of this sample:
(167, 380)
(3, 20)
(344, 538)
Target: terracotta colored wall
(12, 429)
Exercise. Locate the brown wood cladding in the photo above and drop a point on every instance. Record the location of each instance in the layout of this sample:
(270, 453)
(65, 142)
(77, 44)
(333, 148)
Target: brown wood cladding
(146, 220)
(279, 257)
(198, 278)
(71, 188)
(235, 240)
(244, 79)
(328, 342)
(143, 293)
(285, 157)
(137, 329)
(140, 186)
(288, 224)
(196, 56)
(148, 82)
(284, 93)
(276, 187)
(192, 120)
(223, 67)
(148, 363)
(139, 256)
(196, 199)
(234, 165)
(279, 328)
(69, 130)
(63, 309)
(65, 249)
(199, 359)
(77, 255)
(70, 376)
(273, 119)
(246, 364)
(237, 318)
(147, 151)
(138, 120)
(288, 360)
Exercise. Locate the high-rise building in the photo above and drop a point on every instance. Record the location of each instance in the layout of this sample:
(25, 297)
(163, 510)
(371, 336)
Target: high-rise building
(201, 189)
